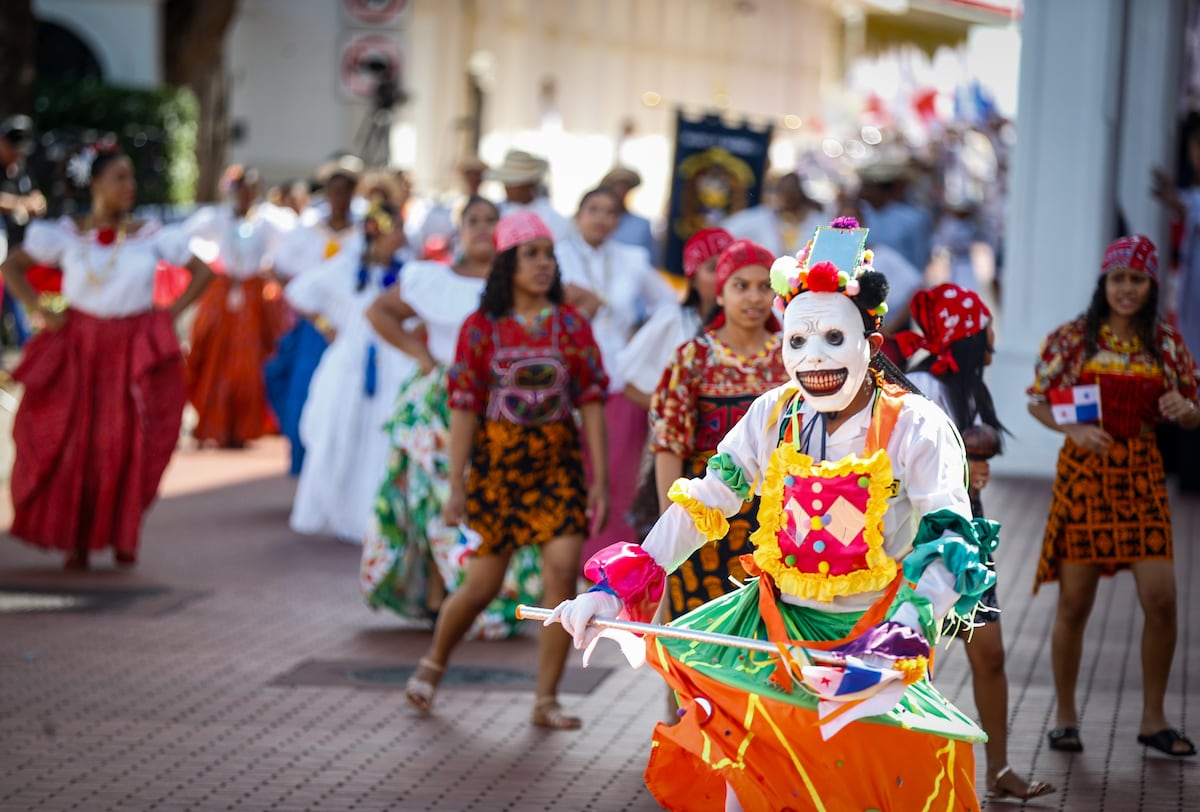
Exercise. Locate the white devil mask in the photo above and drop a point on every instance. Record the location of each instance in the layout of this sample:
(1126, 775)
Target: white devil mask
(825, 349)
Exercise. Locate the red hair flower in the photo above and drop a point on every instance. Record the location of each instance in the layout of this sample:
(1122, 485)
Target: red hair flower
(823, 278)
(106, 235)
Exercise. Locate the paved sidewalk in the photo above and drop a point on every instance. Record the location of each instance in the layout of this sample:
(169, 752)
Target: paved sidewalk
(237, 669)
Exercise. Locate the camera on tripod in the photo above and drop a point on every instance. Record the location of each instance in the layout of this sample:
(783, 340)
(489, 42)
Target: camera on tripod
(387, 92)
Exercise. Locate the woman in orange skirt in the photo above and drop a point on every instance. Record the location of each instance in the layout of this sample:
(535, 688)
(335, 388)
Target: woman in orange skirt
(1109, 511)
(236, 326)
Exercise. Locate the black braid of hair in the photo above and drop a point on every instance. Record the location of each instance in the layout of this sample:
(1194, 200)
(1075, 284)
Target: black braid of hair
(968, 394)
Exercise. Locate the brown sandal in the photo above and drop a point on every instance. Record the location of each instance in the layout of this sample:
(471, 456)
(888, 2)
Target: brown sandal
(420, 692)
(549, 714)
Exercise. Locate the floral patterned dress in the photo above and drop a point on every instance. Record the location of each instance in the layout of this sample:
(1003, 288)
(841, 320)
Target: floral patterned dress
(703, 393)
(1111, 510)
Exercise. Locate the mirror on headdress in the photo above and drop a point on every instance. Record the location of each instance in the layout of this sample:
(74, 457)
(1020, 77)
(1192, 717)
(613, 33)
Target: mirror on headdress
(841, 246)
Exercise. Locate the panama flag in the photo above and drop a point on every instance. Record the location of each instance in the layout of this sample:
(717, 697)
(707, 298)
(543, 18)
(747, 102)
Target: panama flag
(1079, 404)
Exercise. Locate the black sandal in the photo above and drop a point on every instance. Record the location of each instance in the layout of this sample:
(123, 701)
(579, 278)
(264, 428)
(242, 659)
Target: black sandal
(1165, 741)
(1066, 739)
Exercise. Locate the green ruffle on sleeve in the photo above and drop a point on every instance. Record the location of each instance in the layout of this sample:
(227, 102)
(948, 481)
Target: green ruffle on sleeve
(730, 473)
(966, 551)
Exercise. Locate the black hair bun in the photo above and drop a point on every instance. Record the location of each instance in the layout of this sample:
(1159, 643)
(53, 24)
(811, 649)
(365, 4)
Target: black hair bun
(872, 290)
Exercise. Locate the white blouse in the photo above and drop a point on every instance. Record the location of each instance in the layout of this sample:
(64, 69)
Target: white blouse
(632, 291)
(245, 244)
(107, 281)
(644, 359)
(442, 300)
(307, 247)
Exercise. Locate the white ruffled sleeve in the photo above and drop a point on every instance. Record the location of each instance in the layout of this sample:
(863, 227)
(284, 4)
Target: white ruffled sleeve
(171, 245)
(45, 241)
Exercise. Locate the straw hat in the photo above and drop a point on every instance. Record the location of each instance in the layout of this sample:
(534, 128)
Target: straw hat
(471, 163)
(519, 169)
(347, 166)
(622, 174)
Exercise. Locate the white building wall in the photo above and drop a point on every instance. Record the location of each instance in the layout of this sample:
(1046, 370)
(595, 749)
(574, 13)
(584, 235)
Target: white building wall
(602, 55)
(282, 57)
(1083, 146)
(124, 35)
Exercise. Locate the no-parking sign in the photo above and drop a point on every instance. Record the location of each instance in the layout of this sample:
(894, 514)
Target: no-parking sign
(375, 12)
(367, 60)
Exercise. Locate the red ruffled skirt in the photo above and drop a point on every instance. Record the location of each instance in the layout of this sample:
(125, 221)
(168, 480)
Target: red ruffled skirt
(235, 331)
(97, 424)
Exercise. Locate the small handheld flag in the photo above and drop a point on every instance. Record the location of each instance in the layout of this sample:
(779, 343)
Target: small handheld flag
(1078, 404)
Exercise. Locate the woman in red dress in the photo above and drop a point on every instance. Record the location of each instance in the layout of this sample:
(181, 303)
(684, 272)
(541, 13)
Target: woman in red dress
(1109, 510)
(526, 361)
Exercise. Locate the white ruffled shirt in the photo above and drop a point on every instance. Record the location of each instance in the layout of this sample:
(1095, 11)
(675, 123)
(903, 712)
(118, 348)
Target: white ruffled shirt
(442, 300)
(107, 281)
(246, 245)
(643, 360)
(927, 462)
(309, 246)
(632, 291)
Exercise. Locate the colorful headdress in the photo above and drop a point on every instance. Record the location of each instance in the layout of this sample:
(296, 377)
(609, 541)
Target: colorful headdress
(703, 246)
(519, 227)
(832, 262)
(1136, 252)
(945, 315)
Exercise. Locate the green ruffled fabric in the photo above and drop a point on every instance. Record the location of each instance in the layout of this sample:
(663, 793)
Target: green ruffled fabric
(966, 552)
(730, 473)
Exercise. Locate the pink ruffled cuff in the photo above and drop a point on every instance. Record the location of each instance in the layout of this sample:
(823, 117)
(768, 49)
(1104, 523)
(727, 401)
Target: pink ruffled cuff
(627, 571)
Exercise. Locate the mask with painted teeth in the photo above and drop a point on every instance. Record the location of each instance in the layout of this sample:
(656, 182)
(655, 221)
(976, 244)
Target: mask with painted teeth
(825, 349)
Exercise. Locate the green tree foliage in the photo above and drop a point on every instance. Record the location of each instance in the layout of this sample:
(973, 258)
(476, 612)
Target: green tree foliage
(156, 128)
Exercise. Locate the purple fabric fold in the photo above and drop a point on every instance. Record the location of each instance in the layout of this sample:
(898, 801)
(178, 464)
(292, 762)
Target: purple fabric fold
(889, 639)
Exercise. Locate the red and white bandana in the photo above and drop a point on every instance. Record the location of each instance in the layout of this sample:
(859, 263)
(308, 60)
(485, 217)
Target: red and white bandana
(1135, 252)
(703, 246)
(945, 315)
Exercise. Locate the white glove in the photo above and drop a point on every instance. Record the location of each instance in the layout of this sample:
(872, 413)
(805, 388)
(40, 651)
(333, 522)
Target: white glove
(575, 614)
(937, 584)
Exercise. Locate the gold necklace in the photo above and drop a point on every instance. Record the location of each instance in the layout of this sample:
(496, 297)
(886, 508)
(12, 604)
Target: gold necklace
(96, 279)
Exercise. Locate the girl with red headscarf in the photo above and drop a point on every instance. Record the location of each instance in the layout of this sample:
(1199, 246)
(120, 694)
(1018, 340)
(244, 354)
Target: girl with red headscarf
(709, 385)
(956, 331)
(1109, 510)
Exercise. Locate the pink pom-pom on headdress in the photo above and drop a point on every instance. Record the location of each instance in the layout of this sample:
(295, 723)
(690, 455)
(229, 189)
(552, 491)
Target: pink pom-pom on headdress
(844, 222)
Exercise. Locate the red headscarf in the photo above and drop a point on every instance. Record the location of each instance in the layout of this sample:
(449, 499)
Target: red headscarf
(945, 315)
(1135, 252)
(703, 246)
(737, 255)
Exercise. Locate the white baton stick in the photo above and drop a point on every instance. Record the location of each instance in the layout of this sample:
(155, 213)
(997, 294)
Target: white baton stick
(733, 641)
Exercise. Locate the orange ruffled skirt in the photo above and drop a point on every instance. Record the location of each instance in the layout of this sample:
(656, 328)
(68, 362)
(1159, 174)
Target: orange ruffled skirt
(236, 328)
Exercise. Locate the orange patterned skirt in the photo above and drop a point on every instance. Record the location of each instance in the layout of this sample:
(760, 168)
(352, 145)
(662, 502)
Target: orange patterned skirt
(1109, 511)
(525, 485)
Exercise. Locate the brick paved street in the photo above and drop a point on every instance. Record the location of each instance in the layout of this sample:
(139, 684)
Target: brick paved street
(237, 669)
